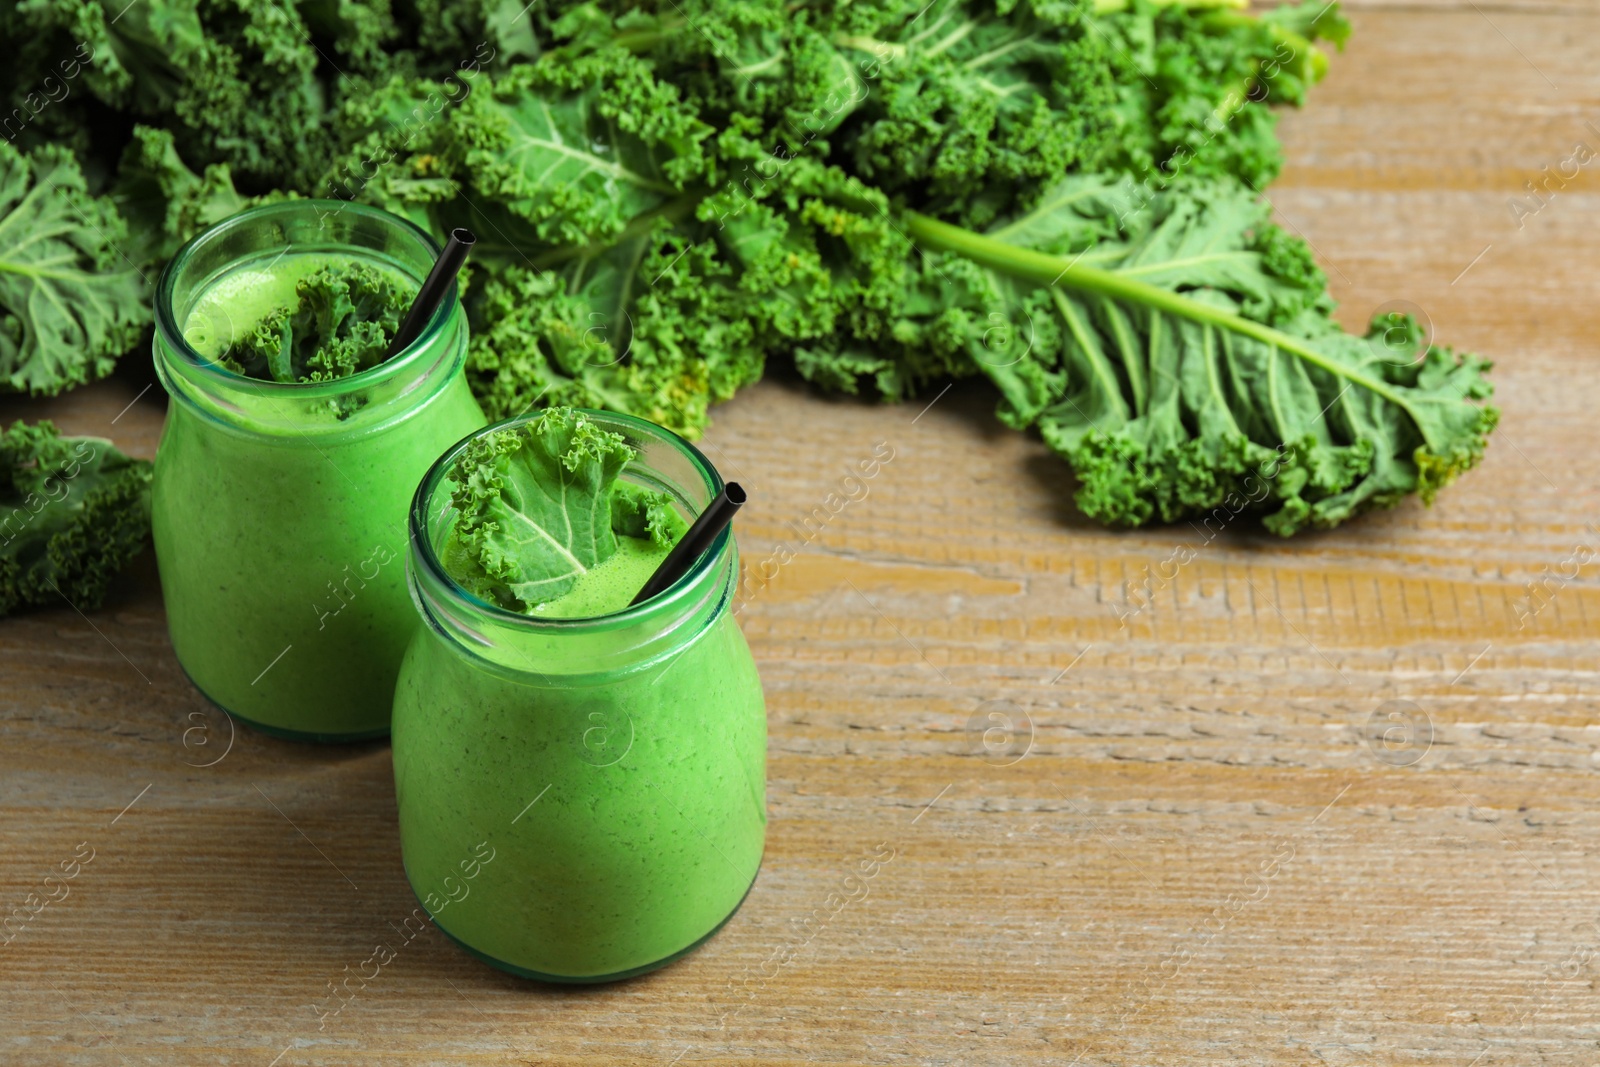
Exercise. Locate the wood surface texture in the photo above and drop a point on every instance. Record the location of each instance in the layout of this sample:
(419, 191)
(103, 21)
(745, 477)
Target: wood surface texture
(1197, 845)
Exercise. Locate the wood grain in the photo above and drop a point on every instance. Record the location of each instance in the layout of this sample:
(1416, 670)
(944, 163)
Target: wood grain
(1189, 851)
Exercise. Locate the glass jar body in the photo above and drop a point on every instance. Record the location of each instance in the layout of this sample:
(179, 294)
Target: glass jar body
(279, 511)
(283, 565)
(622, 822)
(580, 800)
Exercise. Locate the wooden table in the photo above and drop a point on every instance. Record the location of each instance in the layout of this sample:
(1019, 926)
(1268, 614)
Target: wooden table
(1321, 801)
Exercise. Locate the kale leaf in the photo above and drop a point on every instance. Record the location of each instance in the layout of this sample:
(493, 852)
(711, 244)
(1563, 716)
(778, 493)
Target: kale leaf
(73, 511)
(647, 514)
(166, 204)
(1176, 372)
(534, 507)
(71, 301)
(342, 321)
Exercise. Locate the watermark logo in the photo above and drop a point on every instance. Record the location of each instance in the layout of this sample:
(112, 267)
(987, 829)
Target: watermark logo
(350, 584)
(1393, 339)
(607, 737)
(598, 346)
(1547, 186)
(56, 87)
(850, 489)
(55, 889)
(1004, 343)
(1399, 733)
(1540, 593)
(198, 742)
(1000, 733)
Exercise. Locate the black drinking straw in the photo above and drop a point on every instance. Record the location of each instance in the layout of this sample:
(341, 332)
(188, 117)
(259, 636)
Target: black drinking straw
(433, 289)
(692, 545)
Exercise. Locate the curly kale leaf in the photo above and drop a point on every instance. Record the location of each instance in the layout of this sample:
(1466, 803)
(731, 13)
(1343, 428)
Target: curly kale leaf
(166, 204)
(1178, 375)
(648, 514)
(396, 138)
(481, 31)
(578, 149)
(534, 508)
(342, 321)
(682, 312)
(972, 104)
(73, 511)
(236, 81)
(777, 65)
(1192, 86)
(71, 301)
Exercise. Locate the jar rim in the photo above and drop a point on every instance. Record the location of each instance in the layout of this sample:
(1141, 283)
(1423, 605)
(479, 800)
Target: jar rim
(674, 598)
(171, 334)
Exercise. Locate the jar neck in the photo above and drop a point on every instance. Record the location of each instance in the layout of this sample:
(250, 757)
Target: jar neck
(257, 240)
(570, 652)
(360, 403)
(543, 650)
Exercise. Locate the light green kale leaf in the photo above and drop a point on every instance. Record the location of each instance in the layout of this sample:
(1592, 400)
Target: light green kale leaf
(71, 301)
(1180, 374)
(534, 507)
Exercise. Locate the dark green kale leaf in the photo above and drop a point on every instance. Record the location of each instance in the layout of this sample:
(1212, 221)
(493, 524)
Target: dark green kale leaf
(236, 81)
(396, 148)
(778, 66)
(578, 149)
(1193, 86)
(341, 324)
(645, 514)
(971, 105)
(167, 204)
(73, 511)
(449, 34)
(682, 312)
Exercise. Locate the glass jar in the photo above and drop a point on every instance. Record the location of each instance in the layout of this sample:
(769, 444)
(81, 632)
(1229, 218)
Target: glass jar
(581, 800)
(279, 510)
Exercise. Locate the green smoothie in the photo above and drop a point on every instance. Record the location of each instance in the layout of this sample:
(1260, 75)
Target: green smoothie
(612, 758)
(611, 585)
(279, 509)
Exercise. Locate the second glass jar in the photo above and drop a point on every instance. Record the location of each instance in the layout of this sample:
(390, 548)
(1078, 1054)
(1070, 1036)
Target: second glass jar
(581, 799)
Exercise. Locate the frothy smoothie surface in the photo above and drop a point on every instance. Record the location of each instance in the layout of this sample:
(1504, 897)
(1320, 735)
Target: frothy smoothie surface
(547, 526)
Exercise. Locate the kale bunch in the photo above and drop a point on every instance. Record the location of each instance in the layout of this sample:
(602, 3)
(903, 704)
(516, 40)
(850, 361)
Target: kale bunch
(1058, 196)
